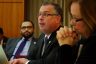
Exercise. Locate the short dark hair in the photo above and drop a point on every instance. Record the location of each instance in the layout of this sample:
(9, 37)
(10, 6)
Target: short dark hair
(56, 7)
(29, 21)
(1, 30)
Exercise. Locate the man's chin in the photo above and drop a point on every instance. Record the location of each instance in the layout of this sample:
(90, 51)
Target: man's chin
(26, 36)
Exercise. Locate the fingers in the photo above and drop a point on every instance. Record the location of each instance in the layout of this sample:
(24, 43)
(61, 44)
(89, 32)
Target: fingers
(65, 32)
(13, 61)
(65, 35)
(59, 35)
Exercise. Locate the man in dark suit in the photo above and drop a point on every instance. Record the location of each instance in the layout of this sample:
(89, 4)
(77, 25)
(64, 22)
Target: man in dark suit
(3, 39)
(49, 20)
(13, 44)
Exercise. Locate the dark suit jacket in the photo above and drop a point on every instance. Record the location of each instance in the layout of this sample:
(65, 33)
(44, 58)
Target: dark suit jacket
(11, 44)
(50, 54)
(87, 54)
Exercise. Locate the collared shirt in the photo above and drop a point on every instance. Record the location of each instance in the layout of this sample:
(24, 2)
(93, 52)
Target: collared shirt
(43, 48)
(26, 47)
(48, 36)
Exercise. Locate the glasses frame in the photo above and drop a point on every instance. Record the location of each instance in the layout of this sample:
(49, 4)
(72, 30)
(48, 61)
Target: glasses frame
(47, 14)
(28, 27)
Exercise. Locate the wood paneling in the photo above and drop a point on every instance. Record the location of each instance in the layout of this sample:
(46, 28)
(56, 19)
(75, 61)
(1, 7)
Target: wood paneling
(11, 16)
(11, 0)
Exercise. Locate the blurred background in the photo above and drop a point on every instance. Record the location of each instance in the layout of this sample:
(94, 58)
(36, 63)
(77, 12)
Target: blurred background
(13, 12)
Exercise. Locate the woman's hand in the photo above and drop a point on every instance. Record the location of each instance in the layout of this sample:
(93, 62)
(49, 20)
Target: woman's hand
(66, 36)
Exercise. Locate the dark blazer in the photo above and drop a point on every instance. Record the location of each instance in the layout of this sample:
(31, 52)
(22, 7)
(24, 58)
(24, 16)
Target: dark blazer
(50, 53)
(87, 54)
(11, 44)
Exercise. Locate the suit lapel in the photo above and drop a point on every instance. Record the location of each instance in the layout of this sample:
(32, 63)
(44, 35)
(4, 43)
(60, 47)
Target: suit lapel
(16, 42)
(40, 45)
(50, 44)
(33, 42)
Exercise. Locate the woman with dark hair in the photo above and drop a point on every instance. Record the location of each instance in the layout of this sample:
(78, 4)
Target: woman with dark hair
(83, 20)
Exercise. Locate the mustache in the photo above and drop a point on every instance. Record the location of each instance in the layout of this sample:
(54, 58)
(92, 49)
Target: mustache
(26, 31)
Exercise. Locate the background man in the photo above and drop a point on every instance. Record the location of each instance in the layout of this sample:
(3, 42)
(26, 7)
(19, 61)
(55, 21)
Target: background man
(13, 49)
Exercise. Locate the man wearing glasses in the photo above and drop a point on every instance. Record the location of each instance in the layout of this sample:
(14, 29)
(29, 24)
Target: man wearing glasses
(20, 47)
(49, 21)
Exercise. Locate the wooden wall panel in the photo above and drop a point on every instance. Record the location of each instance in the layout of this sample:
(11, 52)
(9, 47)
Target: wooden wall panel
(11, 0)
(11, 16)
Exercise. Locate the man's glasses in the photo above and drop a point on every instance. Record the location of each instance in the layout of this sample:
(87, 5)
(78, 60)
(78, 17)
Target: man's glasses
(28, 27)
(47, 14)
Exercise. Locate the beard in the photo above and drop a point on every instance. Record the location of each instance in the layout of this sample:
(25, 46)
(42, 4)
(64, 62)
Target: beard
(27, 35)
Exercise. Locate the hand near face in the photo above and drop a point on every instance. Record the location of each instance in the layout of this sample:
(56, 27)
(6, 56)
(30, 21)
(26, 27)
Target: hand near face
(66, 36)
(18, 61)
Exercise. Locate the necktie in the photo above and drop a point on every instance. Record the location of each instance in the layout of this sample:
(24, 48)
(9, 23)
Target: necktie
(20, 49)
(45, 44)
(46, 41)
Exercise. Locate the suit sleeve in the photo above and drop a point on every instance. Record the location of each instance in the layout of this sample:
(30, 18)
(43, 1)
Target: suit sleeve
(65, 55)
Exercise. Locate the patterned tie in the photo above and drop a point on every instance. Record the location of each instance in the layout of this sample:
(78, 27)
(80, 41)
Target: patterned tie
(20, 49)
